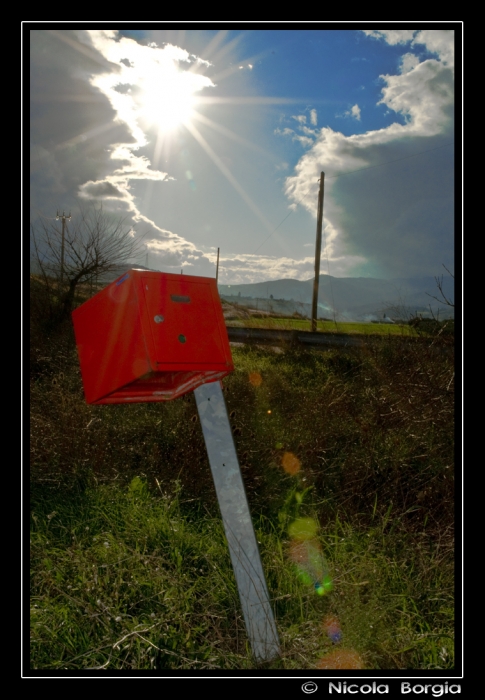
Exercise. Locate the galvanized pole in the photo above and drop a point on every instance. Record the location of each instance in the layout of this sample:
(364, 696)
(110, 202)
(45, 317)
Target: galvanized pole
(318, 250)
(238, 526)
(217, 266)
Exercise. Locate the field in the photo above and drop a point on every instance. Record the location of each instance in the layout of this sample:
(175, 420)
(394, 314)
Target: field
(129, 565)
(404, 330)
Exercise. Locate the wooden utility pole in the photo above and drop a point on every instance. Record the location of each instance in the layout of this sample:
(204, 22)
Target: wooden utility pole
(64, 218)
(217, 266)
(318, 250)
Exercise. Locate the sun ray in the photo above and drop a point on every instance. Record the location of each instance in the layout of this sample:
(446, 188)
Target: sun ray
(225, 51)
(251, 100)
(231, 134)
(88, 51)
(230, 177)
(234, 68)
(213, 46)
(156, 97)
(86, 135)
(162, 142)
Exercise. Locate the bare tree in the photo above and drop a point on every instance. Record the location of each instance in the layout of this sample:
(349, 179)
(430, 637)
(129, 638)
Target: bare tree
(95, 243)
(443, 299)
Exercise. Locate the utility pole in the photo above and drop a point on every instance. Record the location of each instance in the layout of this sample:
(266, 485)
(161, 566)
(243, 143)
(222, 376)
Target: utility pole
(318, 250)
(217, 265)
(64, 218)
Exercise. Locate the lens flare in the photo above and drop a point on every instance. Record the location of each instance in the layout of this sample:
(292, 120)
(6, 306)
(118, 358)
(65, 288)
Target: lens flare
(310, 564)
(331, 626)
(324, 586)
(255, 379)
(303, 529)
(291, 464)
(341, 659)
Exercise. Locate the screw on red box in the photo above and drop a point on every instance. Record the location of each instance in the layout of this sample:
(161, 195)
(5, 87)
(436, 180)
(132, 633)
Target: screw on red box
(151, 336)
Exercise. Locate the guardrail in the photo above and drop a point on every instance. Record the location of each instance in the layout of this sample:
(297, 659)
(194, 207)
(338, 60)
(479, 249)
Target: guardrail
(292, 337)
(270, 336)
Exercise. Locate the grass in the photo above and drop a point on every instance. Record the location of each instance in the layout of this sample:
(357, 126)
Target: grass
(129, 564)
(327, 326)
(123, 578)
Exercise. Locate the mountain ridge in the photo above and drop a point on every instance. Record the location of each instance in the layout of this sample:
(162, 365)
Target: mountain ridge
(353, 297)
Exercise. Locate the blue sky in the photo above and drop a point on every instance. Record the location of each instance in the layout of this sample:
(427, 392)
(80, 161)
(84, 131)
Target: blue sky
(207, 138)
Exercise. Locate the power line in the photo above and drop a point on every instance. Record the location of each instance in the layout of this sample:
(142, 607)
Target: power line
(291, 212)
(332, 177)
(394, 160)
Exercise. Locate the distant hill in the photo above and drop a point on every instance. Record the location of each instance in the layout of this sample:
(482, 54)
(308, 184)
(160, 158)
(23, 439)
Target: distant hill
(348, 298)
(353, 298)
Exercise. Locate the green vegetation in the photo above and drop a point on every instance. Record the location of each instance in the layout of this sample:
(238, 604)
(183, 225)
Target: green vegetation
(327, 326)
(129, 565)
(129, 579)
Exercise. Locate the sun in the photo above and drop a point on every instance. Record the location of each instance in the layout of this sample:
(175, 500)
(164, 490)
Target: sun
(167, 101)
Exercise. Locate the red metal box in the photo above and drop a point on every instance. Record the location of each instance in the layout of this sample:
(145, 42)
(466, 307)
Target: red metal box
(151, 336)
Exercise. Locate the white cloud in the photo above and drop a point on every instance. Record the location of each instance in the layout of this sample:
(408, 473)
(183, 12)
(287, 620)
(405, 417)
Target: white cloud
(105, 156)
(154, 73)
(116, 186)
(354, 112)
(391, 36)
(424, 96)
(439, 41)
(304, 140)
(408, 62)
(412, 213)
(133, 68)
(102, 189)
(283, 132)
(255, 268)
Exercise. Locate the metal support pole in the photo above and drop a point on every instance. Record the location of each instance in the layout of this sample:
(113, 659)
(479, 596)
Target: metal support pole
(318, 250)
(238, 526)
(217, 265)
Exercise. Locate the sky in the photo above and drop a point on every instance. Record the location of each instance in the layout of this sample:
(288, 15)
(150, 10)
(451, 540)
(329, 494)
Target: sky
(215, 138)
